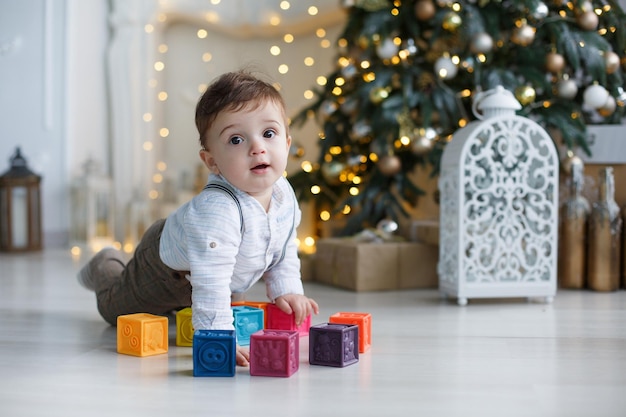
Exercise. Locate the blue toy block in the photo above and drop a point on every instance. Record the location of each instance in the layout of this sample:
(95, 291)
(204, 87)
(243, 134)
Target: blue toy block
(214, 353)
(247, 320)
(333, 344)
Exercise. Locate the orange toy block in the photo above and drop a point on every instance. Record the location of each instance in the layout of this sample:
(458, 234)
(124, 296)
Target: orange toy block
(141, 334)
(184, 327)
(363, 320)
(257, 304)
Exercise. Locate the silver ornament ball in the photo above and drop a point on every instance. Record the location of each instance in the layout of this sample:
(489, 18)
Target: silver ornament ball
(387, 226)
(481, 43)
(567, 89)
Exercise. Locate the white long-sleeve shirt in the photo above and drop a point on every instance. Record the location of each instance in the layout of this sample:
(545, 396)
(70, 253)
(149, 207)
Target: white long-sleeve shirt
(205, 237)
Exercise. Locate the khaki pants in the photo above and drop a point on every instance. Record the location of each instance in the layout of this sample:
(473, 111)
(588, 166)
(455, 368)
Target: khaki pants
(145, 284)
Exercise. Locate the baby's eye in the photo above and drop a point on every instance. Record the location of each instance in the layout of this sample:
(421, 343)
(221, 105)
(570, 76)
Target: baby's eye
(269, 133)
(236, 140)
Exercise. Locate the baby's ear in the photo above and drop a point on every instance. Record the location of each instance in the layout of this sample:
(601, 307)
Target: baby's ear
(209, 161)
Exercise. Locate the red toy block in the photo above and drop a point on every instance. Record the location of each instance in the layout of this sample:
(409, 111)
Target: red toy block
(363, 320)
(142, 334)
(274, 353)
(278, 320)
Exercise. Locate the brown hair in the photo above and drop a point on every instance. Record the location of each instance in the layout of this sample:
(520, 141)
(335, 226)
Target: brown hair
(233, 91)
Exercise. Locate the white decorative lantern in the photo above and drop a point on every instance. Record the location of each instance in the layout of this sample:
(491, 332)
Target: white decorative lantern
(92, 209)
(499, 206)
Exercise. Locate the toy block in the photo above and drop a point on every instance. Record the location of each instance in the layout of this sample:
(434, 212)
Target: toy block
(142, 334)
(263, 306)
(334, 344)
(363, 320)
(247, 320)
(274, 353)
(214, 353)
(278, 320)
(184, 327)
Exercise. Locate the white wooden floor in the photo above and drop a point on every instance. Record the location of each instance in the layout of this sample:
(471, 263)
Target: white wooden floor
(428, 358)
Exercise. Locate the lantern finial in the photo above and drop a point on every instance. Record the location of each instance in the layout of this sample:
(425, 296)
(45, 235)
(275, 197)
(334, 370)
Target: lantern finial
(495, 102)
(18, 167)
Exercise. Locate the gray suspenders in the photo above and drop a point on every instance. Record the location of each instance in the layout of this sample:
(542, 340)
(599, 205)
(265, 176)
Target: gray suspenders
(231, 193)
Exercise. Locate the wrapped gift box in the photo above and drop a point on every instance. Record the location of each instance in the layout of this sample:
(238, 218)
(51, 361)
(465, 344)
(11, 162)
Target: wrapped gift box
(306, 267)
(424, 231)
(367, 266)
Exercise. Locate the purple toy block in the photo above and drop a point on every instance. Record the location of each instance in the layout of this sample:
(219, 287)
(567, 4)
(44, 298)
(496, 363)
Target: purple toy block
(247, 320)
(274, 353)
(278, 320)
(333, 344)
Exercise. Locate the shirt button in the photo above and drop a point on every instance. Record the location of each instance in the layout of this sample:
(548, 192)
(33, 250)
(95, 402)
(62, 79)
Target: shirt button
(213, 244)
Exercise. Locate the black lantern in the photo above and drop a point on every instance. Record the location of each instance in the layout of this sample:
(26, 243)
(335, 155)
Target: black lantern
(20, 207)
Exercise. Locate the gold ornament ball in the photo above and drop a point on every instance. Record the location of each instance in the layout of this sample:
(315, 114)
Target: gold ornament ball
(378, 95)
(555, 62)
(424, 10)
(611, 61)
(587, 20)
(389, 165)
(569, 161)
(523, 35)
(525, 94)
(421, 145)
(452, 21)
(608, 108)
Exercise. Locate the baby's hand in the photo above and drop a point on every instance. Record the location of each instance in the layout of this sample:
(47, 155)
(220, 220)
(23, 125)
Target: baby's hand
(243, 356)
(299, 305)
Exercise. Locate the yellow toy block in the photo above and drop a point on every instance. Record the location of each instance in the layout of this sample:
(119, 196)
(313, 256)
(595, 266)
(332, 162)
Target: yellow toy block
(184, 328)
(141, 334)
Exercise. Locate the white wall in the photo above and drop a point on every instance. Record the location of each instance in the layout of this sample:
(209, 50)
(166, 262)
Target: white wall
(32, 99)
(87, 115)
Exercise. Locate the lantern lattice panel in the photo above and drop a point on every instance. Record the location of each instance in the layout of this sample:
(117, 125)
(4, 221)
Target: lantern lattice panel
(499, 211)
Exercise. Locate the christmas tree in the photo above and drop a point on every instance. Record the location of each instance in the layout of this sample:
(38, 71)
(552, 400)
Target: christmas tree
(407, 71)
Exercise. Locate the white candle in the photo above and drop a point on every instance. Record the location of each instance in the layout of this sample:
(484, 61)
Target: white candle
(19, 217)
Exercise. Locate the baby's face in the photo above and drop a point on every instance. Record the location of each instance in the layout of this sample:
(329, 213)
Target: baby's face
(249, 147)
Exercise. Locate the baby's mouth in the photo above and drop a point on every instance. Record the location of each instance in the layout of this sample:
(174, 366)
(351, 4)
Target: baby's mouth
(260, 167)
